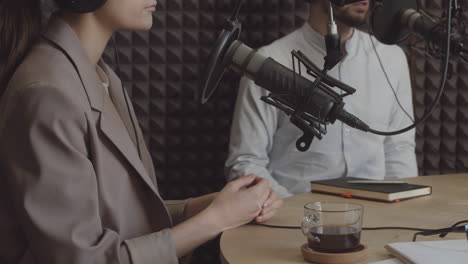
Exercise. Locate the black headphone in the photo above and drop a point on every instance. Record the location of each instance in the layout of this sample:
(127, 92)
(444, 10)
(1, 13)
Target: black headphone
(80, 6)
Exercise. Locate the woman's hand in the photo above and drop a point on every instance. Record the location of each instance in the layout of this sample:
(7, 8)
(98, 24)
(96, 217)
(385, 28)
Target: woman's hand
(240, 201)
(198, 204)
(271, 205)
(269, 208)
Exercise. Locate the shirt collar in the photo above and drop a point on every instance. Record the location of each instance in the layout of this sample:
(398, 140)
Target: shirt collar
(318, 41)
(351, 44)
(313, 38)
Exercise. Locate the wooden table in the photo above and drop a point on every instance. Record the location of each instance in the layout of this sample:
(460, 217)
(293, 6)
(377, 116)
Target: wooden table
(447, 205)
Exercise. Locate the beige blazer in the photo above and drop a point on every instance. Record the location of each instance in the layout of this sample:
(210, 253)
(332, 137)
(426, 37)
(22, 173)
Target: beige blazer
(73, 188)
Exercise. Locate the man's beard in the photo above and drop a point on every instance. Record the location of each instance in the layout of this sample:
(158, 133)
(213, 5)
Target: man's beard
(350, 20)
(342, 14)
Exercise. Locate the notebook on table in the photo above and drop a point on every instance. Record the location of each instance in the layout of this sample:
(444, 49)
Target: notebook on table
(377, 192)
(430, 252)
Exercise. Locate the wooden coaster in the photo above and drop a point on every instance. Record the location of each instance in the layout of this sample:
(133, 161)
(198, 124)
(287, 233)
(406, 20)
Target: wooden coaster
(333, 258)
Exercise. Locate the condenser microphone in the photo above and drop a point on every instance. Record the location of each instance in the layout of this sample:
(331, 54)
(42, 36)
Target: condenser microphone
(311, 104)
(214, 70)
(430, 31)
(392, 20)
(276, 78)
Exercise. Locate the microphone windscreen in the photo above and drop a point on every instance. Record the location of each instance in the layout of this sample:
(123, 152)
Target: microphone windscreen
(385, 19)
(215, 68)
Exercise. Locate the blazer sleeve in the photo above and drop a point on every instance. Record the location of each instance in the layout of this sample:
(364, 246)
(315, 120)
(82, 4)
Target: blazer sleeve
(44, 156)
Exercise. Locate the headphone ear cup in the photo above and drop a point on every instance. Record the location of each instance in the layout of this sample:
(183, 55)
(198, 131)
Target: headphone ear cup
(80, 6)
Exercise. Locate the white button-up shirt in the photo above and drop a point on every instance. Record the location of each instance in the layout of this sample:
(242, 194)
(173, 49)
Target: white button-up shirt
(263, 140)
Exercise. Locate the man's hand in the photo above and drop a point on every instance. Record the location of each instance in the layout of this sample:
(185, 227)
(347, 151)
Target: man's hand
(271, 205)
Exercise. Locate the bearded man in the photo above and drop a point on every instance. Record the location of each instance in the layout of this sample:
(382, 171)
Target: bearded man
(263, 140)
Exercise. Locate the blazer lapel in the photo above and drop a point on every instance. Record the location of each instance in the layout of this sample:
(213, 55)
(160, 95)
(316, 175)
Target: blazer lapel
(118, 95)
(62, 36)
(115, 130)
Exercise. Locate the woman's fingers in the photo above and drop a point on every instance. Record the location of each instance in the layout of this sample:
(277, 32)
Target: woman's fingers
(268, 212)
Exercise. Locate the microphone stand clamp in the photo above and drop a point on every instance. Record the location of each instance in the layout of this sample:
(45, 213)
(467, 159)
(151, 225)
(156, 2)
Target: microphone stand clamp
(295, 107)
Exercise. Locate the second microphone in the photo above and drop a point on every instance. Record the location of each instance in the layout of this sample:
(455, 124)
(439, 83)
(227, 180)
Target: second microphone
(278, 79)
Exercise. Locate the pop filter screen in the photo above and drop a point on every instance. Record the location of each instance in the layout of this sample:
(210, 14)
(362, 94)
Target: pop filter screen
(215, 68)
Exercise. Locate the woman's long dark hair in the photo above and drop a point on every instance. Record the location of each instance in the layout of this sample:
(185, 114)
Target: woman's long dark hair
(20, 27)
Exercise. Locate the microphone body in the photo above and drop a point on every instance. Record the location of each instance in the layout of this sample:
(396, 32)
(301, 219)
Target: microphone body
(276, 78)
(392, 20)
(426, 28)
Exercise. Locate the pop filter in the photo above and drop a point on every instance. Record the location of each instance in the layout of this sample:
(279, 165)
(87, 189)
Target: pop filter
(385, 22)
(215, 68)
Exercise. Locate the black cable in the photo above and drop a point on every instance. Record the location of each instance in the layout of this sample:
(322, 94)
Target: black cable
(388, 80)
(395, 228)
(391, 86)
(235, 14)
(441, 88)
(393, 90)
(277, 227)
(119, 73)
(453, 226)
(364, 228)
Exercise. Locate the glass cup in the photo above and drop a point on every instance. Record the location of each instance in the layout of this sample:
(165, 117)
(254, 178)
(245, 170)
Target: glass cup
(332, 227)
